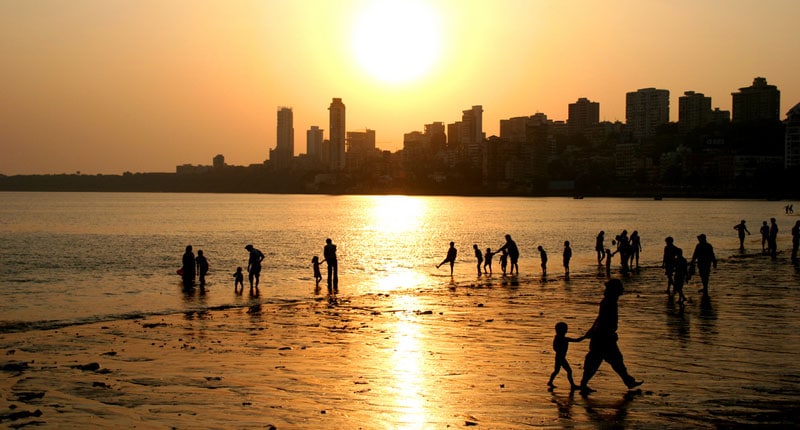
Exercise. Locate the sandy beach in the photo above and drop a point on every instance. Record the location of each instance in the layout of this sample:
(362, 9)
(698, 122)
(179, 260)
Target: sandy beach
(473, 354)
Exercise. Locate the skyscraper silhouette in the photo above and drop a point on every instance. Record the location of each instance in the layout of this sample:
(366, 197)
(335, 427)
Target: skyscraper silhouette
(337, 134)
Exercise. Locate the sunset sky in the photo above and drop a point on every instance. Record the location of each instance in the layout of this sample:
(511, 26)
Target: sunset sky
(107, 86)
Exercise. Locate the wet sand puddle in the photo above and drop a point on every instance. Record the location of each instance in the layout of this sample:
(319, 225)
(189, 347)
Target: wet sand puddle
(473, 354)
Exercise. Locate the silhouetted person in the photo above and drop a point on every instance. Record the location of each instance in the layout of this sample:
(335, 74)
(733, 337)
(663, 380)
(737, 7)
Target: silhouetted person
(636, 248)
(254, 267)
(513, 254)
(603, 340)
(668, 261)
(795, 240)
(561, 346)
(543, 257)
(773, 238)
(681, 275)
(609, 254)
(317, 273)
(704, 258)
(202, 267)
(764, 237)
(599, 247)
(450, 258)
(504, 261)
(741, 229)
(567, 255)
(329, 252)
(188, 265)
(479, 257)
(624, 250)
(238, 281)
(487, 260)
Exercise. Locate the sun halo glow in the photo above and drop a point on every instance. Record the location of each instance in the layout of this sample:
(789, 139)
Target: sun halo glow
(396, 41)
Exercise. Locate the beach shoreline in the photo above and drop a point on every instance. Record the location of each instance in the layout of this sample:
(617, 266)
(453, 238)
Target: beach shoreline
(468, 354)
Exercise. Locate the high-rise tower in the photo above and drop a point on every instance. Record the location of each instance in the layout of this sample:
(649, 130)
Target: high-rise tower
(337, 134)
(646, 109)
(284, 150)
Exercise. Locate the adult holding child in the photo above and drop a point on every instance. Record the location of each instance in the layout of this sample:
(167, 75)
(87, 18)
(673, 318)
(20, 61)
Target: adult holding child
(513, 254)
(603, 340)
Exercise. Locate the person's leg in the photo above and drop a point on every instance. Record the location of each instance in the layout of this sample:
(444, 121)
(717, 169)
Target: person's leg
(336, 277)
(568, 369)
(555, 373)
(590, 365)
(330, 277)
(614, 357)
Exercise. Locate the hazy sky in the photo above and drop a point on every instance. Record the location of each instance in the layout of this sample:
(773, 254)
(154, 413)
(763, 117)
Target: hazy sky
(107, 86)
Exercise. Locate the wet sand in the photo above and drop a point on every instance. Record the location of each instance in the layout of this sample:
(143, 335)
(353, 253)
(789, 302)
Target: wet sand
(456, 355)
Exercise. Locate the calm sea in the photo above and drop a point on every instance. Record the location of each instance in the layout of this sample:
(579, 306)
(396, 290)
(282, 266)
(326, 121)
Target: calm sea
(67, 258)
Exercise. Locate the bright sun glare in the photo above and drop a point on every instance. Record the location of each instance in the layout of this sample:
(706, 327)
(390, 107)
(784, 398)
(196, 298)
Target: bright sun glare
(396, 41)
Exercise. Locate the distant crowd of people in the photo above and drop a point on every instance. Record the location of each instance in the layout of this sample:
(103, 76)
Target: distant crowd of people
(603, 333)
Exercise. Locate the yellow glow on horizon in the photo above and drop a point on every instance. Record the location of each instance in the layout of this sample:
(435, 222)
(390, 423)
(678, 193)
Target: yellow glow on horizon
(396, 41)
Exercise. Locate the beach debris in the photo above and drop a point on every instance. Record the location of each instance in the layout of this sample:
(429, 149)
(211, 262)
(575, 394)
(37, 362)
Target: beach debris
(285, 348)
(154, 325)
(100, 384)
(15, 366)
(94, 366)
(11, 352)
(13, 416)
(25, 396)
(110, 353)
(470, 423)
(424, 312)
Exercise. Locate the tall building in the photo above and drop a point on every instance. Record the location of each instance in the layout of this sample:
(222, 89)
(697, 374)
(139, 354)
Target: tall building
(792, 151)
(284, 150)
(645, 110)
(756, 102)
(472, 135)
(314, 141)
(694, 111)
(338, 134)
(582, 114)
(436, 135)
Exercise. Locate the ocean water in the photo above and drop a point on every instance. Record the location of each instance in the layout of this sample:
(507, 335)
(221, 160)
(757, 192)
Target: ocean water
(68, 258)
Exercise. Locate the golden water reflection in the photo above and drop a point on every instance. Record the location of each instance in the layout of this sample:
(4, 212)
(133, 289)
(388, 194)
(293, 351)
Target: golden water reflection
(408, 366)
(397, 214)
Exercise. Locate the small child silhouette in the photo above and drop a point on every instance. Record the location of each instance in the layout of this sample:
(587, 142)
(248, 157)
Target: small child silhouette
(543, 256)
(238, 280)
(479, 257)
(487, 260)
(317, 274)
(560, 346)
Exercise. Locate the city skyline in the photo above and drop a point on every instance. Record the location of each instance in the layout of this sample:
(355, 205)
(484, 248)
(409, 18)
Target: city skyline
(102, 88)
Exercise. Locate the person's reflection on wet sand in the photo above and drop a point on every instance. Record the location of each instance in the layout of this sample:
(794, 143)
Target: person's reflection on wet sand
(610, 415)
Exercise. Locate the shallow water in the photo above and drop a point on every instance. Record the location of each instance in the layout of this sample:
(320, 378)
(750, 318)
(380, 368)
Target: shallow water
(78, 257)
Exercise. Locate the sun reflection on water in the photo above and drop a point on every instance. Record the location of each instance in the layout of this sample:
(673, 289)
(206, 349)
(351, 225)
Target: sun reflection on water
(397, 214)
(407, 364)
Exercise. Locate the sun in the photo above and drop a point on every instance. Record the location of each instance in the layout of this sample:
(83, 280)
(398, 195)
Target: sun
(396, 41)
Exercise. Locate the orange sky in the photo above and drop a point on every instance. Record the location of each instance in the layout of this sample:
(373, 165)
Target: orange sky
(107, 86)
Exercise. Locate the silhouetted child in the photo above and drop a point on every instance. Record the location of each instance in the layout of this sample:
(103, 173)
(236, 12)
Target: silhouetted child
(487, 260)
(609, 254)
(504, 261)
(681, 275)
(567, 257)
(478, 256)
(317, 274)
(560, 346)
(543, 256)
(202, 268)
(238, 280)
